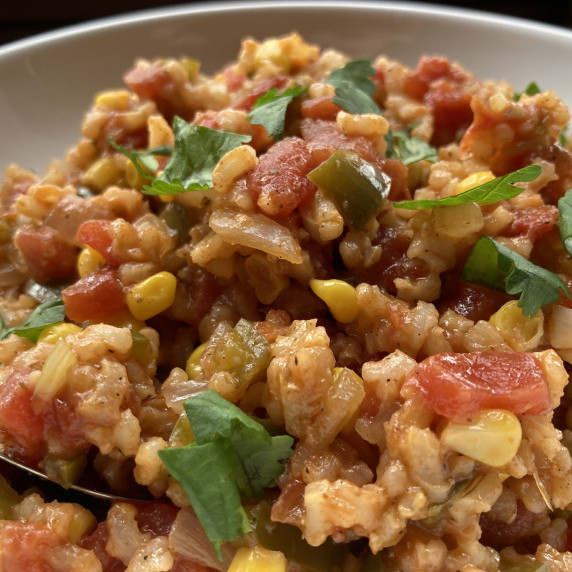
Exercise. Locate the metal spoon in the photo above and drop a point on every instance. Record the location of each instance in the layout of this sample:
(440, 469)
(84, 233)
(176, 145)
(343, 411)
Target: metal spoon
(25, 477)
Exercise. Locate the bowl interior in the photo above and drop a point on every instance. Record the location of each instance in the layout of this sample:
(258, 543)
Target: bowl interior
(48, 82)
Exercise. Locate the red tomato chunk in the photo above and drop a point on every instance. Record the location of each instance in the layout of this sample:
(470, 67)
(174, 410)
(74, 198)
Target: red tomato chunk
(94, 296)
(458, 385)
(47, 255)
(95, 233)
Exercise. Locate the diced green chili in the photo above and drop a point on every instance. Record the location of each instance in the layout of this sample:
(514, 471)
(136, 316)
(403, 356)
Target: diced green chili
(141, 346)
(288, 539)
(357, 188)
(436, 511)
(66, 472)
(8, 498)
(176, 218)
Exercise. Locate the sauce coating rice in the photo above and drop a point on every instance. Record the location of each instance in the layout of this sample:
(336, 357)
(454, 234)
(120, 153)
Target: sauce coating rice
(228, 294)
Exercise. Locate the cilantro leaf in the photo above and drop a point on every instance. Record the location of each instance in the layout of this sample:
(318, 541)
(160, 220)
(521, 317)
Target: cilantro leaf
(565, 220)
(407, 149)
(498, 189)
(269, 110)
(354, 87)
(232, 460)
(144, 161)
(494, 265)
(531, 89)
(44, 315)
(196, 152)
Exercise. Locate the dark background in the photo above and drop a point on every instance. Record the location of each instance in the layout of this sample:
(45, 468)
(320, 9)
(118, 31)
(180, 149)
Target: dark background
(21, 19)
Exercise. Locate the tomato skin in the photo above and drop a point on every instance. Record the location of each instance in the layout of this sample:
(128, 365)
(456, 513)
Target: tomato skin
(94, 296)
(279, 183)
(458, 385)
(95, 233)
(24, 545)
(246, 102)
(18, 418)
(320, 108)
(156, 518)
(47, 255)
(533, 222)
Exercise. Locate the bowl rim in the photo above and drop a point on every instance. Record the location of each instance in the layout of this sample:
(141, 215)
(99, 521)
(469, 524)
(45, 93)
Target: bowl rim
(131, 18)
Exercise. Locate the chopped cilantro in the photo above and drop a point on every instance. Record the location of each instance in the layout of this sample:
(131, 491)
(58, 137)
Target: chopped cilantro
(498, 189)
(232, 460)
(144, 161)
(44, 315)
(400, 145)
(269, 110)
(531, 89)
(496, 266)
(197, 151)
(354, 87)
(565, 220)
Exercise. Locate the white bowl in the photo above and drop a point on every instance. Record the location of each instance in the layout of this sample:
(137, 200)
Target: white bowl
(47, 82)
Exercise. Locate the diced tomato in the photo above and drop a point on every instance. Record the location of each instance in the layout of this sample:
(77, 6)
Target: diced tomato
(96, 541)
(18, 418)
(234, 79)
(500, 534)
(319, 108)
(64, 425)
(24, 546)
(279, 183)
(94, 296)
(249, 99)
(95, 233)
(458, 385)
(533, 222)
(46, 254)
(441, 86)
(156, 518)
(473, 301)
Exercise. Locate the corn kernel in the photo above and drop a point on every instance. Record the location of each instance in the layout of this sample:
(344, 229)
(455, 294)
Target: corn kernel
(192, 67)
(83, 523)
(258, 559)
(118, 99)
(88, 261)
(102, 173)
(152, 296)
(271, 51)
(522, 333)
(133, 177)
(473, 180)
(492, 438)
(340, 297)
(55, 332)
(193, 368)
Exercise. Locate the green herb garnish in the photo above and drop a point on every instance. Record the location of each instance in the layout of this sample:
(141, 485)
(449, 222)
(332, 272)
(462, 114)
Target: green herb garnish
(496, 266)
(196, 152)
(269, 110)
(44, 315)
(407, 149)
(354, 87)
(144, 160)
(565, 220)
(232, 460)
(531, 89)
(498, 189)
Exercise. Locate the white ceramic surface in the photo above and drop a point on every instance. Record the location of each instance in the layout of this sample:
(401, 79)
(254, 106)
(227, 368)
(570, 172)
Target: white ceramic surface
(47, 82)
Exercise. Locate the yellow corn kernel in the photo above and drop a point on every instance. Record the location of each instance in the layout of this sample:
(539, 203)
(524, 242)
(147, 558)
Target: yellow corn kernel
(152, 295)
(193, 368)
(258, 559)
(271, 51)
(340, 297)
(122, 319)
(88, 261)
(83, 522)
(55, 332)
(473, 180)
(133, 177)
(117, 99)
(521, 333)
(102, 173)
(192, 67)
(493, 437)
